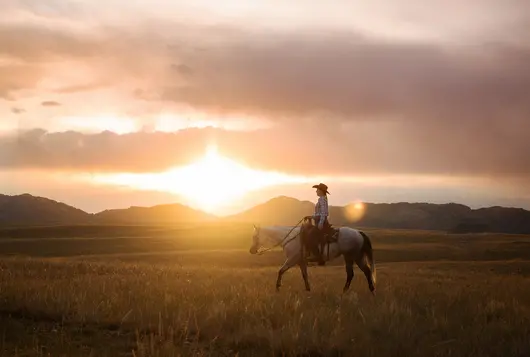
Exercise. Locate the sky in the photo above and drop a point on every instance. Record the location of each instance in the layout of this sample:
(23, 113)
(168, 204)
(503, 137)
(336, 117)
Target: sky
(223, 105)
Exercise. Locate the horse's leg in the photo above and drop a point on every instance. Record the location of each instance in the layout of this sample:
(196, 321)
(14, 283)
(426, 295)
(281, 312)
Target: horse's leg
(361, 262)
(348, 260)
(303, 269)
(288, 264)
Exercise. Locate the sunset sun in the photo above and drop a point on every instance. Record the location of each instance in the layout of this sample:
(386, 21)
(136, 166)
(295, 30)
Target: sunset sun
(210, 183)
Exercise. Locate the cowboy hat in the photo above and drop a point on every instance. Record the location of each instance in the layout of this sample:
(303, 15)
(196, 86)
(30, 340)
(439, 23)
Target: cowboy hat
(322, 187)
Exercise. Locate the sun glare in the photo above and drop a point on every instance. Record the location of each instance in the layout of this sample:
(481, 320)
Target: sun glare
(355, 211)
(210, 183)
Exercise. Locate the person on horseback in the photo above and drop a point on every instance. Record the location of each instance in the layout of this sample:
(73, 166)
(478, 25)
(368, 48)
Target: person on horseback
(316, 235)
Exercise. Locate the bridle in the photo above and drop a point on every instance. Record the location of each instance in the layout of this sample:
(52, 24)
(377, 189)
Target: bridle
(282, 243)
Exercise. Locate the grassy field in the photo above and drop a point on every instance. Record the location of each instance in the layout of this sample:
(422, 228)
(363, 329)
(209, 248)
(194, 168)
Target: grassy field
(179, 291)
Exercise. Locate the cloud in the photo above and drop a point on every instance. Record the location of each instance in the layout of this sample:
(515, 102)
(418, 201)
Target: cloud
(105, 151)
(33, 55)
(35, 43)
(50, 103)
(356, 78)
(348, 73)
(361, 149)
(16, 110)
(346, 100)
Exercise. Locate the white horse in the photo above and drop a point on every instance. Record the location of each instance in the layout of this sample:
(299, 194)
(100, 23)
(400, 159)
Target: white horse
(351, 243)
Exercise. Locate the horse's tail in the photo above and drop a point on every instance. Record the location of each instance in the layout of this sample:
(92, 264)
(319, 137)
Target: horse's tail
(367, 249)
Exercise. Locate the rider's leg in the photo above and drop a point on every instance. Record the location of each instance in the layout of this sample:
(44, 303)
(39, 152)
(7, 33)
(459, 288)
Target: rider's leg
(321, 250)
(313, 241)
(319, 242)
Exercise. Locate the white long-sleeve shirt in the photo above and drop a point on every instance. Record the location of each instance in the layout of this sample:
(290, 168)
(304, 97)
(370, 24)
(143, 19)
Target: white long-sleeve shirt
(321, 208)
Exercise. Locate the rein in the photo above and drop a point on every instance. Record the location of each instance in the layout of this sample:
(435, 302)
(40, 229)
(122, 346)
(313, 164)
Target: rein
(281, 242)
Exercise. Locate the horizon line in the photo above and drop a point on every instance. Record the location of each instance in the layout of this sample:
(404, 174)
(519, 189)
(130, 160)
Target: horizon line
(261, 203)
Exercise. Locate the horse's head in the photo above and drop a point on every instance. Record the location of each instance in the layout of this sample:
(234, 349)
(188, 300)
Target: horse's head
(255, 240)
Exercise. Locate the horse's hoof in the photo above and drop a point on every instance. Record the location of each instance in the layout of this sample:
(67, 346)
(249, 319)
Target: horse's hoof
(277, 289)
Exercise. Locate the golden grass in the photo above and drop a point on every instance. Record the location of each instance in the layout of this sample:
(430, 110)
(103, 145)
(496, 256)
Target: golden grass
(223, 303)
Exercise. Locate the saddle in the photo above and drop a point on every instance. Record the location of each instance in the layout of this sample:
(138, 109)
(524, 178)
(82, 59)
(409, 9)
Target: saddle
(331, 234)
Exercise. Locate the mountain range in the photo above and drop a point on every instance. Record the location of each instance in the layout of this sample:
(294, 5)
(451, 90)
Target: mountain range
(28, 210)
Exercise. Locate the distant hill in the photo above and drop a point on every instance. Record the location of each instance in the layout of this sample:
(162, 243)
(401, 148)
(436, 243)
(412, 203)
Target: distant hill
(286, 210)
(412, 215)
(28, 210)
(451, 217)
(281, 210)
(161, 214)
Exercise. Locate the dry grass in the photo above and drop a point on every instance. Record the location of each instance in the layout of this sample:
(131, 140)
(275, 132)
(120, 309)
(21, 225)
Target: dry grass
(223, 303)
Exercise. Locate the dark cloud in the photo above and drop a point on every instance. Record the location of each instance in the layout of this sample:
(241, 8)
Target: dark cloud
(50, 103)
(363, 148)
(266, 73)
(105, 151)
(15, 110)
(354, 78)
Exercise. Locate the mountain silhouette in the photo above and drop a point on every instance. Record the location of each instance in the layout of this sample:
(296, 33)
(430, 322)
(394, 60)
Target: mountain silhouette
(286, 210)
(160, 214)
(27, 210)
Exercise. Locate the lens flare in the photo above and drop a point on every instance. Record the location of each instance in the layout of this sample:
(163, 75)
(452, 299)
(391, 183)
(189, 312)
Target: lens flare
(355, 211)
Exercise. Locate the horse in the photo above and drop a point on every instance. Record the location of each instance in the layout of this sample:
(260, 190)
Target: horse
(354, 245)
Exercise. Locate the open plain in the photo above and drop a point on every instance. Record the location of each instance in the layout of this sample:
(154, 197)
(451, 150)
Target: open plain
(194, 290)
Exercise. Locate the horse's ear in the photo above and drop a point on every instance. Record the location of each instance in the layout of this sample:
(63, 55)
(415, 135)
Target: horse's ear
(255, 226)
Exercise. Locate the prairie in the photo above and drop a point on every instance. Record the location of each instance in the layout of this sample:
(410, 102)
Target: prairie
(194, 290)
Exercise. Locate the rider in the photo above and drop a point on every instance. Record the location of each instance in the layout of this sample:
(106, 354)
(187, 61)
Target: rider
(320, 216)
